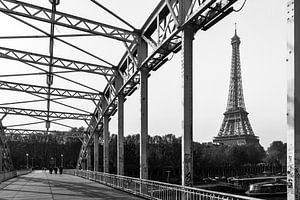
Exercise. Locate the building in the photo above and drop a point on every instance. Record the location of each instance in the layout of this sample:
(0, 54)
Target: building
(236, 128)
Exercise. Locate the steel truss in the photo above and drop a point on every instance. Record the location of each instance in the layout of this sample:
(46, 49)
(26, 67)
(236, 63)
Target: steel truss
(63, 19)
(62, 63)
(162, 32)
(33, 131)
(6, 164)
(43, 113)
(4, 85)
(19, 134)
(161, 35)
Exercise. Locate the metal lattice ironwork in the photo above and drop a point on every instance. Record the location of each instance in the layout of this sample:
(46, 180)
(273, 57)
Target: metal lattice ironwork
(145, 50)
(236, 128)
(62, 63)
(6, 164)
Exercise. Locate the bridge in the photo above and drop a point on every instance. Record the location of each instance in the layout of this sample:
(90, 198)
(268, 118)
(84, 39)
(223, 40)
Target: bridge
(169, 29)
(81, 184)
(42, 185)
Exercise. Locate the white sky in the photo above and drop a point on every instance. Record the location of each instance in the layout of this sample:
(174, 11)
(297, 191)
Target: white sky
(261, 27)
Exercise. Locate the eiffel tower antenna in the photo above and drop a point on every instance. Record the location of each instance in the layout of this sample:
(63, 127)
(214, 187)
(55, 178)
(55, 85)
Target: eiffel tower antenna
(236, 128)
(235, 29)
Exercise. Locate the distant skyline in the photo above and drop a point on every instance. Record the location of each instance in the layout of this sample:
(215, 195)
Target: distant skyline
(263, 51)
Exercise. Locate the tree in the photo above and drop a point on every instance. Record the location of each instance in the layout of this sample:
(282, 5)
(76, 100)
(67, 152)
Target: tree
(255, 153)
(276, 153)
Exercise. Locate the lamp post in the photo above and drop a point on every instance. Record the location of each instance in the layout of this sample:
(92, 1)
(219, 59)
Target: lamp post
(27, 160)
(62, 160)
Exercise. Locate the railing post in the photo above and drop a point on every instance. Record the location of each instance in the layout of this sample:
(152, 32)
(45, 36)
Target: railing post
(293, 100)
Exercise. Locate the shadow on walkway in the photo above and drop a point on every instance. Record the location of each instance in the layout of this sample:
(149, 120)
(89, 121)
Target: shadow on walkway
(41, 185)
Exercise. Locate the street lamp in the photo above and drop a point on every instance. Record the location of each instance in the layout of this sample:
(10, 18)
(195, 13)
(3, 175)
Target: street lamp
(27, 160)
(62, 160)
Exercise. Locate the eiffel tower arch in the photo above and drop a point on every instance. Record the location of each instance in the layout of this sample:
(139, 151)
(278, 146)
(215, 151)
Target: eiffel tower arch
(236, 127)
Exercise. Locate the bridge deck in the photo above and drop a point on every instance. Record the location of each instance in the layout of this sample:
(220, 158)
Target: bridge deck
(42, 185)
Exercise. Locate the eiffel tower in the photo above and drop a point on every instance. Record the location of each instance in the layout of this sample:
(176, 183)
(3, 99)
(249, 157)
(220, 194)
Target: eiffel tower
(236, 128)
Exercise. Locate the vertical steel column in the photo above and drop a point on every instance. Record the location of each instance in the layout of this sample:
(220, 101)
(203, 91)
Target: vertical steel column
(1, 157)
(120, 142)
(89, 159)
(105, 144)
(83, 164)
(187, 102)
(293, 100)
(120, 139)
(187, 99)
(142, 54)
(96, 151)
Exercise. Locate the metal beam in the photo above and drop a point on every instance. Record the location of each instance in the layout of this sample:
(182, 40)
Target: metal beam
(89, 158)
(63, 19)
(113, 14)
(4, 85)
(142, 52)
(1, 158)
(43, 113)
(44, 36)
(30, 131)
(57, 62)
(57, 38)
(24, 132)
(106, 144)
(45, 99)
(6, 162)
(293, 97)
(49, 80)
(120, 138)
(187, 98)
(96, 151)
(62, 77)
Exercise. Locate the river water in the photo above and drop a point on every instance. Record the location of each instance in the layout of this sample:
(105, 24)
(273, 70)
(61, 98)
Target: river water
(242, 193)
(276, 198)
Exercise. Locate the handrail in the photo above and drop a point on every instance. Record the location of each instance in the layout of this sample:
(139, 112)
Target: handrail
(12, 174)
(7, 175)
(153, 189)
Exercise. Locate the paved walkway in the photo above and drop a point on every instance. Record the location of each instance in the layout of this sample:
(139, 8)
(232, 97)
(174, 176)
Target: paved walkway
(42, 185)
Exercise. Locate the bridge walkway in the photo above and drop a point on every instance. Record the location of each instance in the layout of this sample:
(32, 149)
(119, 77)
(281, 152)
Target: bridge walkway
(43, 186)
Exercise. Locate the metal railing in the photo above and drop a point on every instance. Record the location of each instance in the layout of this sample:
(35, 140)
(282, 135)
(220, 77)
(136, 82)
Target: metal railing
(12, 174)
(24, 171)
(7, 175)
(153, 189)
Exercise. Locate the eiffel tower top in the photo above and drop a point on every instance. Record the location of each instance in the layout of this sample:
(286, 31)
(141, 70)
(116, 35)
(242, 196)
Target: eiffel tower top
(235, 97)
(235, 38)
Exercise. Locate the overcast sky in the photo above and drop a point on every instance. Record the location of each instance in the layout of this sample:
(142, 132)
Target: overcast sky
(263, 47)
